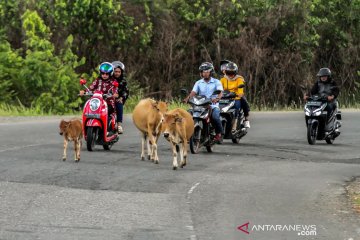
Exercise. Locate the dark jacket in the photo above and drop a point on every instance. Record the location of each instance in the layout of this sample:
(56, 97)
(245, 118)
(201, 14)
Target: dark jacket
(328, 87)
(123, 88)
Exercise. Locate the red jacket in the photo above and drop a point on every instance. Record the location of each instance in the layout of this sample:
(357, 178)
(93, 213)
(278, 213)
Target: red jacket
(105, 86)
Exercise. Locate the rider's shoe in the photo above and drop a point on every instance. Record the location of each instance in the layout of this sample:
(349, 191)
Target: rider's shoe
(217, 138)
(120, 129)
(247, 124)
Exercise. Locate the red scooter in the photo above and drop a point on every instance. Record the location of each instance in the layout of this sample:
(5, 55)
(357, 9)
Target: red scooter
(97, 127)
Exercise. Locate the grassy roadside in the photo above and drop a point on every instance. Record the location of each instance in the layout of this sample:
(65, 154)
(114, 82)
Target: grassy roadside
(7, 110)
(20, 110)
(353, 192)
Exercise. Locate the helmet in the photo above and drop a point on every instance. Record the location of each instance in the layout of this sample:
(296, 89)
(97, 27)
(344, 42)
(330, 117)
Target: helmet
(106, 67)
(206, 66)
(324, 72)
(231, 69)
(118, 64)
(223, 64)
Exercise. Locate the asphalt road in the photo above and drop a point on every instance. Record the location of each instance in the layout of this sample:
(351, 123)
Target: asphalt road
(273, 180)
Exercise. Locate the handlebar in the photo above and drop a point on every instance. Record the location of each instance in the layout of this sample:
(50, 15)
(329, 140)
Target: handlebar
(318, 97)
(105, 95)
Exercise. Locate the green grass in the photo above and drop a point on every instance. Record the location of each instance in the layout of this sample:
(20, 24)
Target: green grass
(131, 103)
(357, 199)
(21, 110)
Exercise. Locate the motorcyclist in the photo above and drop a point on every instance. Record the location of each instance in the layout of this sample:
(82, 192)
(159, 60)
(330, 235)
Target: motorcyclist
(223, 64)
(231, 81)
(123, 90)
(206, 86)
(104, 83)
(325, 85)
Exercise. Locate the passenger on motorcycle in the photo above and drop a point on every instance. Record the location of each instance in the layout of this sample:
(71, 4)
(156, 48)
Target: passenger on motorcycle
(223, 64)
(123, 90)
(104, 83)
(230, 81)
(325, 85)
(206, 86)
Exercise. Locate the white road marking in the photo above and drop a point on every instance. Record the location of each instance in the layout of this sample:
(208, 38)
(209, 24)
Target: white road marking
(193, 188)
(191, 227)
(193, 237)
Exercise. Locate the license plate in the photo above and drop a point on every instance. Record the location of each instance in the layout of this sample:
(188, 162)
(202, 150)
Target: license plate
(313, 103)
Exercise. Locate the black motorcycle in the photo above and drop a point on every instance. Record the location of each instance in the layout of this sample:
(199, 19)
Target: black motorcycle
(319, 126)
(204, 131)
(227, 117)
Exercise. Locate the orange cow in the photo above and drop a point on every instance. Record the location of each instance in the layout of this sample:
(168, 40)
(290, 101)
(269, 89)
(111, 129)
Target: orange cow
(148, 118)
(178, 127)
(72, 131)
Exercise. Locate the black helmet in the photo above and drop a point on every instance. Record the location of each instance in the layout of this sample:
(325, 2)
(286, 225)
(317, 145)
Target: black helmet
(206, 66)
(231, 69)
(324, 72)
(223, 64)
(118, 64)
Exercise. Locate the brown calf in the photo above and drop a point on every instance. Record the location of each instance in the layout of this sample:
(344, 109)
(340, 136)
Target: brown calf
(148, 118)
(178, 127)
(72, 131)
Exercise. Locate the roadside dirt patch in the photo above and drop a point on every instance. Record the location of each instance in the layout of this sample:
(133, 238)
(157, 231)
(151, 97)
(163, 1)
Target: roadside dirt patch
(353, 192)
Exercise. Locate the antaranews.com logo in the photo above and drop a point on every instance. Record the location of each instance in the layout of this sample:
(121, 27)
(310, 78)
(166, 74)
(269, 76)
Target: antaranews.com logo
(301, 230)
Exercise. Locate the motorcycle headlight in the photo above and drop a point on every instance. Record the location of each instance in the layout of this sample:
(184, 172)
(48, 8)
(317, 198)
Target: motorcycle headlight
(94, 104)
(317, 113)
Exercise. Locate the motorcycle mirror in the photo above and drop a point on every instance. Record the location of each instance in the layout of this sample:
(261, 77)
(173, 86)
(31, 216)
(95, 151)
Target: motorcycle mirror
(82, 81)
(241, 86)
(115, 84)
(184, 91)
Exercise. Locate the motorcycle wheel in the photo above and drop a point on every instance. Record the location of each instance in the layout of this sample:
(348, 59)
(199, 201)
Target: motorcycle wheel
(312, 130)
(329, 140)
(90, 138)
(107, 146)
(237, 140)
(194, 146)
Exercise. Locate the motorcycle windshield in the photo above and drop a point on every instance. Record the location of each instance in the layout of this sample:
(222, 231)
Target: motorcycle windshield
(197, 114)
(224, 101)
(229, 95)
(200, 100)
(198, 109)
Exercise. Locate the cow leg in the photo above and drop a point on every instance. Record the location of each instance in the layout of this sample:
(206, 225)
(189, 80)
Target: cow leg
(155, 148)
(152, 142)
(78, 149)
(175, 162)
(75, 149)
(65, 147)
(156, 158)
(149, 148)
(143, 139)
(183, 150)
